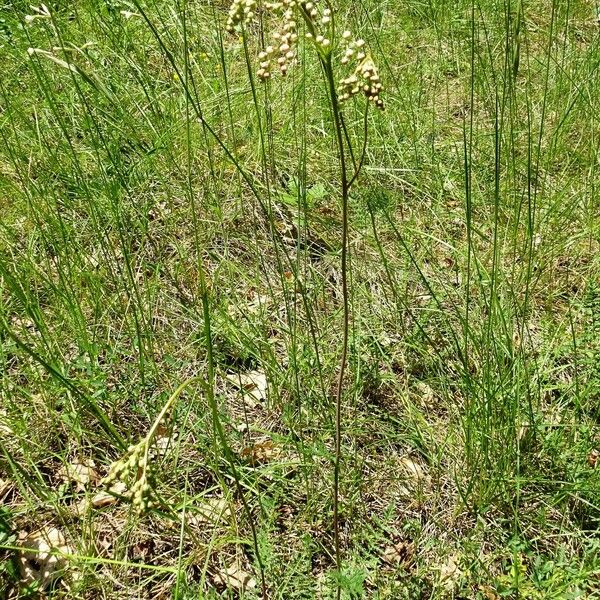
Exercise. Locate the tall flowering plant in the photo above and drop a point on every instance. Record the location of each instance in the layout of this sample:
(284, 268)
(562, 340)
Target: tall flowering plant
(319, 25)
(348, 71)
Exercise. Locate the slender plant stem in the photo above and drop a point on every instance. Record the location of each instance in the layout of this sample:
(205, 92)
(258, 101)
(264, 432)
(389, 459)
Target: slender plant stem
(339, 134)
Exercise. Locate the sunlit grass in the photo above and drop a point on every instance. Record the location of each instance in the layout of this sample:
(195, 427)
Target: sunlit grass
(162, 219)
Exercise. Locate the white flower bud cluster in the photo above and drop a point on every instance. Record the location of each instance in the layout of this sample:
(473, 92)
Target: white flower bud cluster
(311, 12)
(134, 465)
(285, 39)
(241, 12)
(319, 24)
(311, 9)
(365, 77)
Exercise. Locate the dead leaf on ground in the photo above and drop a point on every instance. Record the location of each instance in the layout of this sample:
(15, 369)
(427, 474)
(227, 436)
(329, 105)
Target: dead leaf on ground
(400, 554)
(415, 476)
(161, 443)
(489, 592)
(447, 261)
(235, 577)
(81, 474)
(42, 557)
(413, 479)
(260, 453)
(143, 550)
(5, 488)
(252, 384)
(165, 439)
(5, 430)
(450, 573)
(412, 468)
(212, 511)
(101, 499)
(425, 393)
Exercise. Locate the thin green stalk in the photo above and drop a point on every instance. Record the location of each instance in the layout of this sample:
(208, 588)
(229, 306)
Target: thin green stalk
(325, 58)
(339, 135)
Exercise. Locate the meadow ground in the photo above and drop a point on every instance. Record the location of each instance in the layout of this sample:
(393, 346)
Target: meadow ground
(171, 238)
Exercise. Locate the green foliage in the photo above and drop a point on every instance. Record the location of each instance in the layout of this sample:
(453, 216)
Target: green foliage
(163, 218)
(9, 572)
